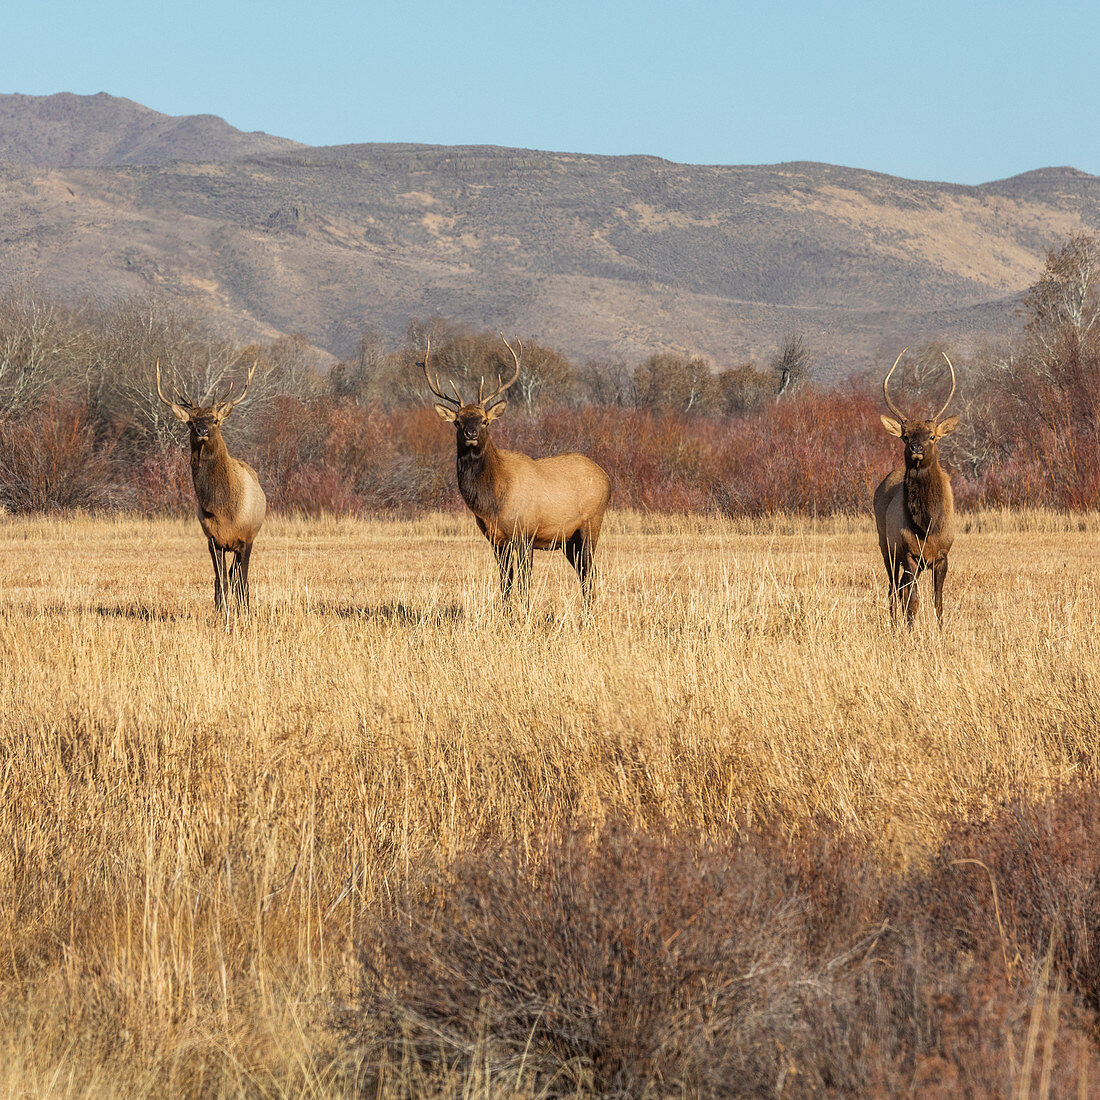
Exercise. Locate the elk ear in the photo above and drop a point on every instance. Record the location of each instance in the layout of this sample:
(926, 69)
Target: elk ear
(891, 425)
(445, 412)
(946, 427)
(496, 410)
(179, 412)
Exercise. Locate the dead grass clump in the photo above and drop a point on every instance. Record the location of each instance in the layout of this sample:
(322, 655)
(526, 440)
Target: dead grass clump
(618, 962)
(624, 962)
(985, 983)
(1029, 883)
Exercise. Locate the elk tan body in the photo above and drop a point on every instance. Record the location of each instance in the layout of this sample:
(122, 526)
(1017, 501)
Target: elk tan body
(231, 504)
(914, 507)
(522, 504)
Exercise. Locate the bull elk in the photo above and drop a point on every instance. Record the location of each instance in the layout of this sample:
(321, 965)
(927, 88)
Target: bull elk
(914, 507)
(522, 504)
(231, 503)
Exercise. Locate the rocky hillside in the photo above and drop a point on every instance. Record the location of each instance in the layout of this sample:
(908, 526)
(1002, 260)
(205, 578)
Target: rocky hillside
(600, 256)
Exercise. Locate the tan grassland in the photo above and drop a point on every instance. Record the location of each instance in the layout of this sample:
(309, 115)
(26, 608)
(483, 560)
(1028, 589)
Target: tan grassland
(194, 813)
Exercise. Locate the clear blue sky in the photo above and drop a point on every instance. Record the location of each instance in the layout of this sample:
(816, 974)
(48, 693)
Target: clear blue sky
(956, 91)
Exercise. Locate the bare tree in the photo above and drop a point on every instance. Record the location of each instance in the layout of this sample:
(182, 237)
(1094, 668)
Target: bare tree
(358, 375)
(40, 341)
(676, 382)
(121, 344)
(1066, 298)
(607, 382)
(547, 376)
(1053, 372)
(476, 358)
(791, 365)
(293, 367)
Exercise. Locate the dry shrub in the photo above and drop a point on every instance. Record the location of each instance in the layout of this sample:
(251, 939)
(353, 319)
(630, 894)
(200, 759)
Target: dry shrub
(1042, 860)
(161, 484)
(620, 962)
(987, 981)
(814, 453)
(315, 490)
(51, 460)
(325, 457)
(628, 963)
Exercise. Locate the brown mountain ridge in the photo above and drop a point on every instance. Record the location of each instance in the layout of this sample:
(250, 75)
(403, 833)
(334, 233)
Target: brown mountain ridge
(98, 131)
(599, 256)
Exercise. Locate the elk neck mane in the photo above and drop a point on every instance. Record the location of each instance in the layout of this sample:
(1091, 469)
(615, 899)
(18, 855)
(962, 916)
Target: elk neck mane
(211, 470)
(479, 476)
(925, 490)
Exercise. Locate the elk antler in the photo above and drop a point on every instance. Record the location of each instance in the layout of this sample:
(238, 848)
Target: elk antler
(433, 384)
(180, 401)
(495, 396)
(886, 387)
(225, 406)
(951, 394)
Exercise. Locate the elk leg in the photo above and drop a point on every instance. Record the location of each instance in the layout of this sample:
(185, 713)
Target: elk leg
(514, 558)
(221, 580)
(939, 573)
(524, 554)
(907, 589)
(234, 577)
(506, 563)
(238, 580)
(246, 555)
(898, 596)
(578, 552)
(893, 579)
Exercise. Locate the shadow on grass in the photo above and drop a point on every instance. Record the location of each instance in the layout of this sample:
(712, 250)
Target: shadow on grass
(137, 612)
(395, 612)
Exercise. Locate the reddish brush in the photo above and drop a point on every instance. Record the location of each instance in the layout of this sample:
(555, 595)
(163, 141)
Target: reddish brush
(52, 460)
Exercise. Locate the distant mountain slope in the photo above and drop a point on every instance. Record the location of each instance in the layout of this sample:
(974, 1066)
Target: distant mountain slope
(600, 256)
(64, 130)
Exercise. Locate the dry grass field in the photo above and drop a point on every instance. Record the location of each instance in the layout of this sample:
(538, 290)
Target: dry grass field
(197, 815)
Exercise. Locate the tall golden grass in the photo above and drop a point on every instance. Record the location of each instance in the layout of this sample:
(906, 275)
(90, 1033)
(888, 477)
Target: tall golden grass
(196, 812)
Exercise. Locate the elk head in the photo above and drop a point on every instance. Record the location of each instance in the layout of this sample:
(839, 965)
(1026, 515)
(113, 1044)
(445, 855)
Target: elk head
(203, 420)
(919, 436)
(472, 420)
